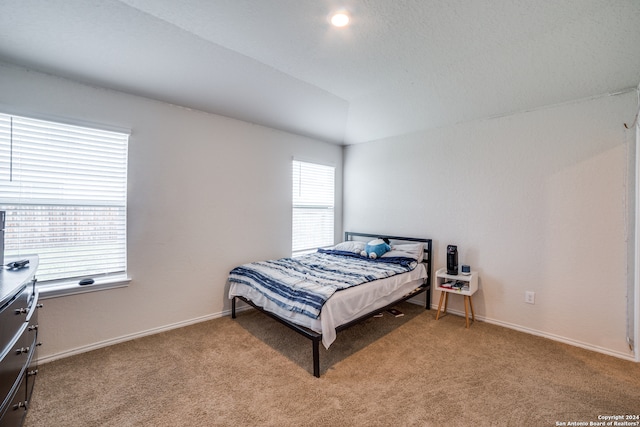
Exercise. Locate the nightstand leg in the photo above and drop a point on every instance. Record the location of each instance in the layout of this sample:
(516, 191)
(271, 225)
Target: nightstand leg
(466, 311)
(446, 301)
(440, 305)
(473, 315)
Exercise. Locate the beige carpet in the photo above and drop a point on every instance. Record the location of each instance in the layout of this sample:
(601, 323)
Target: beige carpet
(406, 371)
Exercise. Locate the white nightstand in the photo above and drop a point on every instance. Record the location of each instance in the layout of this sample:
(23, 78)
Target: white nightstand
(471, 286)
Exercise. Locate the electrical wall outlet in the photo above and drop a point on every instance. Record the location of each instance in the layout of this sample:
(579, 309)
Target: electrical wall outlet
(530, 297)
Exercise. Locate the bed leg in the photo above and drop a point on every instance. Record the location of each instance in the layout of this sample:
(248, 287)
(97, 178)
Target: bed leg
(233, 308)
(428, 303)
(316, 358)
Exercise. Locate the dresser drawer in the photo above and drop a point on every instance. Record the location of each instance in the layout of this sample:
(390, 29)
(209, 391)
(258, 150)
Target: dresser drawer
(16, 409)
(13, 315)
(14, 361)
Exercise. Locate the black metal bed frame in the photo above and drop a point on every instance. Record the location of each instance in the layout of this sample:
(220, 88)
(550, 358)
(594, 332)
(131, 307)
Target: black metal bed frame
(316, 337)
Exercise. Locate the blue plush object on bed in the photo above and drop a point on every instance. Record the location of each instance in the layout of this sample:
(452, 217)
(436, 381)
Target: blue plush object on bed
(376, 248)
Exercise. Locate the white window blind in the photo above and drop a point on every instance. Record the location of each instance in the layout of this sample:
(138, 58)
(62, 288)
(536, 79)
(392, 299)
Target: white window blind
(64, 190)
(313, 206)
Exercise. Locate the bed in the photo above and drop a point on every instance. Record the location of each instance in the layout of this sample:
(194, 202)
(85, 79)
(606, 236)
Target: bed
(324, 293)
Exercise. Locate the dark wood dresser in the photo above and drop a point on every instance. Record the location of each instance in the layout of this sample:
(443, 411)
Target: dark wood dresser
(18, 340)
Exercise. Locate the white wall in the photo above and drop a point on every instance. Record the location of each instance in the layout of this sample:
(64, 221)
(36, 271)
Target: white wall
(206, 193)
(537, 201)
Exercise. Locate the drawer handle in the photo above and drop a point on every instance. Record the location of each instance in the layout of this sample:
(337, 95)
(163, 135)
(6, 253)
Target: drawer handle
(32, 373)
(39, 305)
(33, 327)
(22, 350)
(21, 311)
(20, 405)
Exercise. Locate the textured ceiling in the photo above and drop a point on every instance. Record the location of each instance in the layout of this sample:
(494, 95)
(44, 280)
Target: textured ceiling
(400, 67)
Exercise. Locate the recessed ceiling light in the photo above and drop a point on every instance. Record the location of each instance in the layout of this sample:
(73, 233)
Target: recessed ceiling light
(340, 19)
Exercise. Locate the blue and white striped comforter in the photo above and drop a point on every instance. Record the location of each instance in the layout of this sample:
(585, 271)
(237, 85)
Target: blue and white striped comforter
(303, 284)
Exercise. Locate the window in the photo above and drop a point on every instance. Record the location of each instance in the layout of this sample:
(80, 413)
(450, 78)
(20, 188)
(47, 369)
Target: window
(64, 191)
(313, 206)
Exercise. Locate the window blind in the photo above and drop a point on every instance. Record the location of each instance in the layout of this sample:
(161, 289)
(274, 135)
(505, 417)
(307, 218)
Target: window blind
(313, 206)
(64, 190)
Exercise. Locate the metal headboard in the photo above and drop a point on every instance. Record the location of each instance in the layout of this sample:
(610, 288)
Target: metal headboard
(428, 247)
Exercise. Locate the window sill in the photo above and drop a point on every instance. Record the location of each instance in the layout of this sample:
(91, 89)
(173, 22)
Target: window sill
(61, 289)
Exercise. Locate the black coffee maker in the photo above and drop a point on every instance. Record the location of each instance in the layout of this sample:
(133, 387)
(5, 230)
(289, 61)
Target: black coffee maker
(452, 259)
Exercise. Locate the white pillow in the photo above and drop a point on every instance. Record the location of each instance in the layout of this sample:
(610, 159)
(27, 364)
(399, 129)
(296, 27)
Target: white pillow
(411, 250)
(355, 247)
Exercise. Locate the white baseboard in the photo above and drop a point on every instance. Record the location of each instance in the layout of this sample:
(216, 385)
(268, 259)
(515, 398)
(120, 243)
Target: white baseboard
(547, 335)
(106, 343)
(240, 308)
